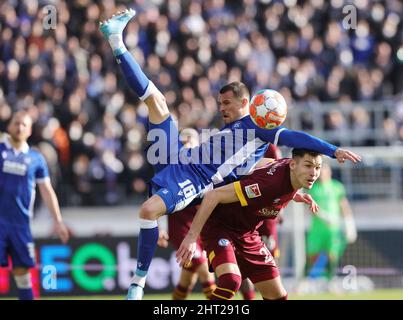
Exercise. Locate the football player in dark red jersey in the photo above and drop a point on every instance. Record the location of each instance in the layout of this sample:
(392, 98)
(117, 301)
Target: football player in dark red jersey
(268, 231)
(230, 236)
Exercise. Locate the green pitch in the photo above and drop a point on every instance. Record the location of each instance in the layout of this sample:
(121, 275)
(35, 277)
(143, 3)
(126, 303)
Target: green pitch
(384, 294)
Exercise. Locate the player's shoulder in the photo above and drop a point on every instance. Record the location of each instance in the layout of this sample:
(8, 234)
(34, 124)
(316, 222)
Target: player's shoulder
(36, 154)
(274, 168)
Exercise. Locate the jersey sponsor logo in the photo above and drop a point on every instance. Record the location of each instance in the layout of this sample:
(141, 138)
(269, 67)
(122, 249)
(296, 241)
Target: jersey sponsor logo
(269, 213)
(223, 242)
(273, 169)
(252, 191)
(15, 168)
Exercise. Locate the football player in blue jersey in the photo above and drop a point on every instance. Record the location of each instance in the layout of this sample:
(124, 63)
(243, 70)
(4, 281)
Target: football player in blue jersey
(183, 175)
(21, 168)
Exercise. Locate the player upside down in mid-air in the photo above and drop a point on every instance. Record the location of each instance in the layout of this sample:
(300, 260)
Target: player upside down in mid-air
(183, 175)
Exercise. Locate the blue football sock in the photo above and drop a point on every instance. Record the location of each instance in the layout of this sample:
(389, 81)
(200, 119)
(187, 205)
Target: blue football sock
(146, 246)
(135, 77)
(25, 294)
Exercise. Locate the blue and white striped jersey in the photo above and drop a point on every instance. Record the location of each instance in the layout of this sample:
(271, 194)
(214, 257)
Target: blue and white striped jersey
(19, 173)
(234, 151)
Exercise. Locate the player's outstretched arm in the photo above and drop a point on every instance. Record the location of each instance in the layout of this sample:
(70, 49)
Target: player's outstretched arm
(302, 140)
(224, 194)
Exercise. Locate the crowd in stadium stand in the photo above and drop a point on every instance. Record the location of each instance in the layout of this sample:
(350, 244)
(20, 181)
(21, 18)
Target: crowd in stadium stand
(92, 128)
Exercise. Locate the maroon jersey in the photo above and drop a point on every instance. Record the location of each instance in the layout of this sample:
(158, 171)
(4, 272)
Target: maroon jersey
(262, 195)
(273, 152)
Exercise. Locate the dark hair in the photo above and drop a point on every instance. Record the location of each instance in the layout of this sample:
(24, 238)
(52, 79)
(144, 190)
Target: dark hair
(302, 152)
(239, 89)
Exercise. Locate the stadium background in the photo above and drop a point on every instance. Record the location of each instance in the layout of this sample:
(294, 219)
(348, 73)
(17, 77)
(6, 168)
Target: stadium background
(344, 85)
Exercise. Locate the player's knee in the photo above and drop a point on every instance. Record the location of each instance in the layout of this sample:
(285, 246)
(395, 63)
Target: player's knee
(227, 286)
(148, 212)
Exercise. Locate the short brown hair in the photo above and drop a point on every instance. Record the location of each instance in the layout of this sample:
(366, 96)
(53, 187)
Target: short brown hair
(302, 152)
(239, 89)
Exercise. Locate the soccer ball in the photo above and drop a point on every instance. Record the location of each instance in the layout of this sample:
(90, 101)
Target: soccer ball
(268, 109)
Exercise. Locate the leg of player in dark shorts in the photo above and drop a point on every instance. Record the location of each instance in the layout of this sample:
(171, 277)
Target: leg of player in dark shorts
(18, 243)
(222, 260)
(228, 275)
(178, 226)
(247, 290)
(188, 278)
(256, 263)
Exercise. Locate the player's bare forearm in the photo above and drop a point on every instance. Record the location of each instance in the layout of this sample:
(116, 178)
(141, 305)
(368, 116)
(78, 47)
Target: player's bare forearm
(224, 194)
(188, 246)
(206, 208)
(50, 199)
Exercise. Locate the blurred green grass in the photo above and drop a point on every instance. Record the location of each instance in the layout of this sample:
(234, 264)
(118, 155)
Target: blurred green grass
(381, 294)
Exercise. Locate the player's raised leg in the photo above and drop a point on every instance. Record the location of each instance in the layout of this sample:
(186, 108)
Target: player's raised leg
(137, 80)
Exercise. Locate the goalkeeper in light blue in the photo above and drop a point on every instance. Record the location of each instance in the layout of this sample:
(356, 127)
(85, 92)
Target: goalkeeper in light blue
(183, 175)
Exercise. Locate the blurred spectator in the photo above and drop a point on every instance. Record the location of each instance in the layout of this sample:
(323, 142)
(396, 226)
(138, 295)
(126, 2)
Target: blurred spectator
(189, 49)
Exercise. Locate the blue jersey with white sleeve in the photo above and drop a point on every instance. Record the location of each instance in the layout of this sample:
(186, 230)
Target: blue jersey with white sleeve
(19, 173)
(223, 158)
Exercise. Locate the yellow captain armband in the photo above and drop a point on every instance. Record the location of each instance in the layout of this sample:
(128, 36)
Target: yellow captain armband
(239, 193)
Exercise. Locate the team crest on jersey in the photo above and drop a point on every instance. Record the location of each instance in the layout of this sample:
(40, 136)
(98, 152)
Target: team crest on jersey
(253, 191)
(236, 125)
(223, 242)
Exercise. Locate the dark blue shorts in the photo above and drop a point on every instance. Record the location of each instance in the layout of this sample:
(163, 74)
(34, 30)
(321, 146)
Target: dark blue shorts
(176, 183)
(16, 242)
